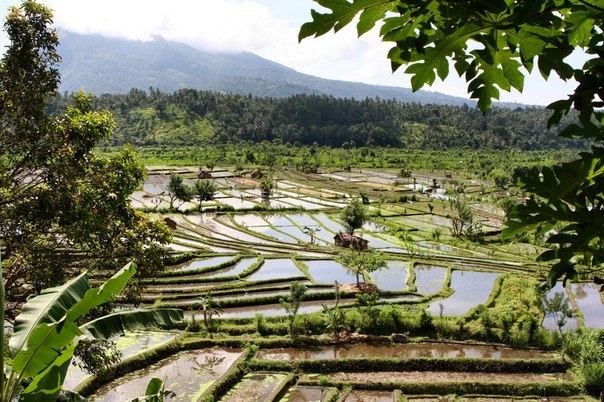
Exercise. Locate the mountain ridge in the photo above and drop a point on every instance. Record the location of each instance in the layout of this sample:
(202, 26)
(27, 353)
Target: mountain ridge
(99, 65)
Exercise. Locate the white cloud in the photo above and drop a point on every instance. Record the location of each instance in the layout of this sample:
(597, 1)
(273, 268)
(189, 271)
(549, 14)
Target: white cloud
(268, 28)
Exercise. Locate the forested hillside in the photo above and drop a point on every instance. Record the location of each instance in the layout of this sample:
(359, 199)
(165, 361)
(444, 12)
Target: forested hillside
(192, 117)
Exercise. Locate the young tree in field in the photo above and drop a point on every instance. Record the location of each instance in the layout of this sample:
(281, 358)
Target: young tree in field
(203, 190)
(291, 303)
(267, 184)
(363, 261)
(558, 308)
(62, 206)
(178, 191)
(209, 309)
(462, 217)
(354, 216)
(492, 45)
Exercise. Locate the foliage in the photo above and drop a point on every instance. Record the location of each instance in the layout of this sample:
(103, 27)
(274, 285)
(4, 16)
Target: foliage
(593, 377)
(354, 215)
(95, 355)
(45, 333)
(178, 190)
(209, 309)
(558, 308)
(207, 119)
(462, 218)
(155, 392)
(267, 184)
(62, 205)
(585, 346)
(363, 261)
(291, 303)
(489, 44)
(203, 190)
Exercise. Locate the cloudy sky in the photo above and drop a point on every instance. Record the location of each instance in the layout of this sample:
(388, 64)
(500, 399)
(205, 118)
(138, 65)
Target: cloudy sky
(268, 28)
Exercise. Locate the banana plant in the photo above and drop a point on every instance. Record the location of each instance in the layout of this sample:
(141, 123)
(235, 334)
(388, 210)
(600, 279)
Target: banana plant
(46, 333)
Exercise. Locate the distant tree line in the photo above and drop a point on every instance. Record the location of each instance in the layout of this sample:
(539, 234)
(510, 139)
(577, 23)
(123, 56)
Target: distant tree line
(193, 117)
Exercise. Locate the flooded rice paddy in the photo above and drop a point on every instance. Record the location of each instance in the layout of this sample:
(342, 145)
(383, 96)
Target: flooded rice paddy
(285, 233)
(189, 373)
(402, 351)
(469, 290)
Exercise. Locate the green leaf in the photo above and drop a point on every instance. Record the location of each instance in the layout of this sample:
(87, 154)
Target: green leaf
(342, 13)
(115, 324)
(46, 386)
(45, 330)
(371, 15)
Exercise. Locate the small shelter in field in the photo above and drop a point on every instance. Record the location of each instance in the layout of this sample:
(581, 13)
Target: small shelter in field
(257, 174)
(350, 240)
(204, 174)
(170, 223)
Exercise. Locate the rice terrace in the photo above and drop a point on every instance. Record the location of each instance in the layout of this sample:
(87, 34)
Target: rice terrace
(241, 231)
(442, 318)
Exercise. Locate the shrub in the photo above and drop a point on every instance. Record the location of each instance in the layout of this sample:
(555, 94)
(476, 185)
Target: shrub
(584, 346)
(593, 375)
(261, 324)
(425, 321)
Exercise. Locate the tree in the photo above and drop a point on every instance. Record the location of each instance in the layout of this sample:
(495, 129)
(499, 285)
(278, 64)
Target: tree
(558, 308)
(178, 191)
(291, 303)
(203, 190)
(209, 309)
(363, 261)
(267, 184)
(492, 45)
(62, 206)
(354, 215)
(46, 333)
(462, 217)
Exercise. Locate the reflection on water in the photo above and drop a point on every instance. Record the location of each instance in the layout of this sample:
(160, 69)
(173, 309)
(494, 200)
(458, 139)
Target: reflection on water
(202, 263)
(258, 387)
(549, 321)
(329, 271)
(303, 394)
(402, 351)
(470, 289)
(241, 266)
(589, 302)
(391, 278)
(185, 373)
(276, 269)
(429, 279)
(357, 395)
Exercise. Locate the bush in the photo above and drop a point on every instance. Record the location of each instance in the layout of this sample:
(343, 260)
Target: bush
(261, 325)
(584, 346)
(593, 375)
(425, 321)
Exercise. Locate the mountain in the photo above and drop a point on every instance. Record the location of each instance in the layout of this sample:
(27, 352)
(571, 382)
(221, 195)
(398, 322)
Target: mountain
(101, 65)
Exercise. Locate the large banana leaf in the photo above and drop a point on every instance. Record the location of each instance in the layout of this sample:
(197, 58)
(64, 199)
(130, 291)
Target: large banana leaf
(46, 325)
(115, 324)
(45, 332)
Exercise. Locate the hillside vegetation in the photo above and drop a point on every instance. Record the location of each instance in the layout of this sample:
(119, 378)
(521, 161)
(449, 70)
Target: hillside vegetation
(192, 117)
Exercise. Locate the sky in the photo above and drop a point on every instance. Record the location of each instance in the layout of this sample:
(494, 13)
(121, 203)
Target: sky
(268, 28)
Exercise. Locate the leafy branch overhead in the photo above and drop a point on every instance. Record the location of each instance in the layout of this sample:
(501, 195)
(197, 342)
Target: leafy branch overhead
(486, 41)
(493, 45)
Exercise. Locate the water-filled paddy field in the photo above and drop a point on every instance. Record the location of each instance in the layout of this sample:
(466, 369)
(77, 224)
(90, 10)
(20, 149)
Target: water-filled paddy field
(246, 257)
(189, 373)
